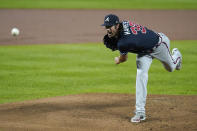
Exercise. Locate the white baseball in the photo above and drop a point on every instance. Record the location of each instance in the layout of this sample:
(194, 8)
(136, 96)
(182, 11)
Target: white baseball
(15, 32)
(116, 59)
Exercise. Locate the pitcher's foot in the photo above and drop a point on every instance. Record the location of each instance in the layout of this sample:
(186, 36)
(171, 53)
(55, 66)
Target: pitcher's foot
(139, 116)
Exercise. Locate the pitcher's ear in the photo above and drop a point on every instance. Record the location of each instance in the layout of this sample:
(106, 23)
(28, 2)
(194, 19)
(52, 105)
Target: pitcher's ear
(117, 26)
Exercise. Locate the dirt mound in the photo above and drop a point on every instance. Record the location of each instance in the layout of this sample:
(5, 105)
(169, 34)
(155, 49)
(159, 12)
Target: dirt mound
(96, 112)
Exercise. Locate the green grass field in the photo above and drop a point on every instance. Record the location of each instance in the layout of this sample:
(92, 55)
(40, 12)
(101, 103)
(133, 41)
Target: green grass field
(100, 4)
(38, 71)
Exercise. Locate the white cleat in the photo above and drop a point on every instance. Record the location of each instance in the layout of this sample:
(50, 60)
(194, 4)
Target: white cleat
(179, 65)
(139, 116)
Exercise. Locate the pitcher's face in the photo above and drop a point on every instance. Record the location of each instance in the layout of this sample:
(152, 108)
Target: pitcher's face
(112, 30)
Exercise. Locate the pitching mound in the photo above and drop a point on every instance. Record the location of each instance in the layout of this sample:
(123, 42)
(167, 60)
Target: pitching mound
(96, 112)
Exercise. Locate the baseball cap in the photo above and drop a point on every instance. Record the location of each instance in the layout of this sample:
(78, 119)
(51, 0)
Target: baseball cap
(111, 20)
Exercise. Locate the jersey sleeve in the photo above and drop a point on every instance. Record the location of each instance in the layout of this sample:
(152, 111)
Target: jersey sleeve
(123, 49)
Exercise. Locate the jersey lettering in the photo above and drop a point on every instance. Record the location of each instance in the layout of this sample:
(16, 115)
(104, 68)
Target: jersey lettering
(135, 28)
(126, 28)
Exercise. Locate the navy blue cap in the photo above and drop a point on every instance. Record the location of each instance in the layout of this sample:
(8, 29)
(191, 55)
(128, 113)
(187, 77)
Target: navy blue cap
(111, 20)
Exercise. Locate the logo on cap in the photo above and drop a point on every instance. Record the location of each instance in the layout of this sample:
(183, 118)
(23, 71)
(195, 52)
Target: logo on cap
(107, 19)
(110, 20)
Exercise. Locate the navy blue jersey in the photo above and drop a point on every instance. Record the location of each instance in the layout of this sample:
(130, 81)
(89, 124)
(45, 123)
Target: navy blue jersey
(136, 38)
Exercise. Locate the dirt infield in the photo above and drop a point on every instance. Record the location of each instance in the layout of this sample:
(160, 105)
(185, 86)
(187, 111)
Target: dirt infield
(99, 112)
(94, 112)
(78, 26)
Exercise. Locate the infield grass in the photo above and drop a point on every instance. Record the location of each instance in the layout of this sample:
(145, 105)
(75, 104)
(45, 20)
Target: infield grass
(99, 4)
(38, 71)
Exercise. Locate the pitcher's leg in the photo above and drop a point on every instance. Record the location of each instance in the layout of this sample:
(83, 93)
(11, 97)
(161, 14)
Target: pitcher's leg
(172, 60)
(143, 65)
(163, 53)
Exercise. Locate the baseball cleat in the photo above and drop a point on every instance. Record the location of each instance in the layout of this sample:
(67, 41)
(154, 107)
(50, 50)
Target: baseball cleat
(179, 65)
(139, 116)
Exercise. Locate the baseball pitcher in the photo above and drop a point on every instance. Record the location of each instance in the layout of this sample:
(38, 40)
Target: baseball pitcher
(128, 37)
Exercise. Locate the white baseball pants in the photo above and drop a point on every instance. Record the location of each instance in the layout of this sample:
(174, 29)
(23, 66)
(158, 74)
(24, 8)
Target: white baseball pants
(163, 54)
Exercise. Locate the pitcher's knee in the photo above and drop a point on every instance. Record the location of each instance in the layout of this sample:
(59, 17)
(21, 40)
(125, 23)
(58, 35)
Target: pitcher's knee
(168, 67)
(170, 70)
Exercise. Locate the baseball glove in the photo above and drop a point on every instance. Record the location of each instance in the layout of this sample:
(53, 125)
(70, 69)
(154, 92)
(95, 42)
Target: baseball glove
(110, 43)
